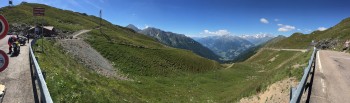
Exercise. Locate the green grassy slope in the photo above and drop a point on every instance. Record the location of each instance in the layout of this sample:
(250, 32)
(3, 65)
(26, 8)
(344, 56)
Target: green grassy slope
(69, 81)
(62, 19)
(148, 60)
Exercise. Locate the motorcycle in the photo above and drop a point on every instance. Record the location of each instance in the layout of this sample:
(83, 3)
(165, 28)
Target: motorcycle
(22, 40)
(16, 48)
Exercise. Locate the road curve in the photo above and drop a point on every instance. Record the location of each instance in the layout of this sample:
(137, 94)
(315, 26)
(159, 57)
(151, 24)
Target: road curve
(76, 34)
(332, 78)
(299, 50)
(17, 77)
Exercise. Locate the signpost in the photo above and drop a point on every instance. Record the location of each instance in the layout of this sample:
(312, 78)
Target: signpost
(4, 60)
(10, 3)
(40, 11)
(4, 27)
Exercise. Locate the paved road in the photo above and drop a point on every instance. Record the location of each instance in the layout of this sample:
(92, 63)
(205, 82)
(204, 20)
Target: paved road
(17, 77)
(332, 78)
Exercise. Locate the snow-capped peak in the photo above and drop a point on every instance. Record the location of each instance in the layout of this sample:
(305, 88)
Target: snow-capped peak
(260, 35)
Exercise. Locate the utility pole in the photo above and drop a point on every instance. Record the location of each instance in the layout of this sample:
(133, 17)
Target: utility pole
(101, 21)
(106, 36)
(42, 35)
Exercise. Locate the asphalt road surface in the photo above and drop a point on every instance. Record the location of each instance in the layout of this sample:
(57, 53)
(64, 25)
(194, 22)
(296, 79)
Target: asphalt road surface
(16, 77)
(332, 78)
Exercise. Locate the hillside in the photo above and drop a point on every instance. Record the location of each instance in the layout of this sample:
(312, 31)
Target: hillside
(178, 41)
(142, 46)
(331, 38)
(133, 27)
(227, 46)
(132, 53)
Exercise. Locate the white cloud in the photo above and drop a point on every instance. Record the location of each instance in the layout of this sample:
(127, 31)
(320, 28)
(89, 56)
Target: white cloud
(285, 28)
(321, 28)
(263, 20)
(215, 33)
(146, 26)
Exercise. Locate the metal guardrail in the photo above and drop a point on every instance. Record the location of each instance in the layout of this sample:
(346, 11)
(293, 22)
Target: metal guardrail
(296, 93)
(45, 96)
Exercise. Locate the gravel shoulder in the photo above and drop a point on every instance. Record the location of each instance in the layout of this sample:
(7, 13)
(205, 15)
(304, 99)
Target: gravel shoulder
(275, 93)
(89, 57)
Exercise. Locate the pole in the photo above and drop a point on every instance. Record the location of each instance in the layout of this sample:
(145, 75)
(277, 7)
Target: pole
(42, 35)
(101, 21)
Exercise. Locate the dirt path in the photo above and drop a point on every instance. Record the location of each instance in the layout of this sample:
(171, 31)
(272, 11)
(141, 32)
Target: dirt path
(332, 78)
(300, 50)
(288, 60)
(230, 65)
(275, 93)
(88, 56)
(17, 77)
(76, 34)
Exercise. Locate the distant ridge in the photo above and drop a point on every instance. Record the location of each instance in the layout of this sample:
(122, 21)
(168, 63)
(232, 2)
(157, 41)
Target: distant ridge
(133, 27)
(177, 41)
(227, 46)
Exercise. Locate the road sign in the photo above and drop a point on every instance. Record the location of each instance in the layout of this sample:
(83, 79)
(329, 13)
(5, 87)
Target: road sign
(4, 27)
(38, 11)
(4, 60)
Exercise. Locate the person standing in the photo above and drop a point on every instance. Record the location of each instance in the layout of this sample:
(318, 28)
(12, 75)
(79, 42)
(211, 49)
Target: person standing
(11, 40)
(27, 37)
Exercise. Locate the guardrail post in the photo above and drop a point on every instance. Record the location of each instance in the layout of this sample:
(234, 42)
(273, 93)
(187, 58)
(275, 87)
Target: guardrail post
(292, 90)
(44, 74)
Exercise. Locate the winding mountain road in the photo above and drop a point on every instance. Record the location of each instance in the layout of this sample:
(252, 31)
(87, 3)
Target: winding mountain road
(332, 78)
(17, 76)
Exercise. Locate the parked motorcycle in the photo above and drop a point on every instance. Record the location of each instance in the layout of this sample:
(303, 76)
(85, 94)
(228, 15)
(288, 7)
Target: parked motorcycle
(16, 48)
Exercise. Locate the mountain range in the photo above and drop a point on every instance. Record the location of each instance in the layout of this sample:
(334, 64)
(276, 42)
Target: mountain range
(219, 48)
(227, 46)
(258, 38)
(177, 41)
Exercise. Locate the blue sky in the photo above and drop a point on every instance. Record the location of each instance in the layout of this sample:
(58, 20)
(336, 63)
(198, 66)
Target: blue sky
(214, 17)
